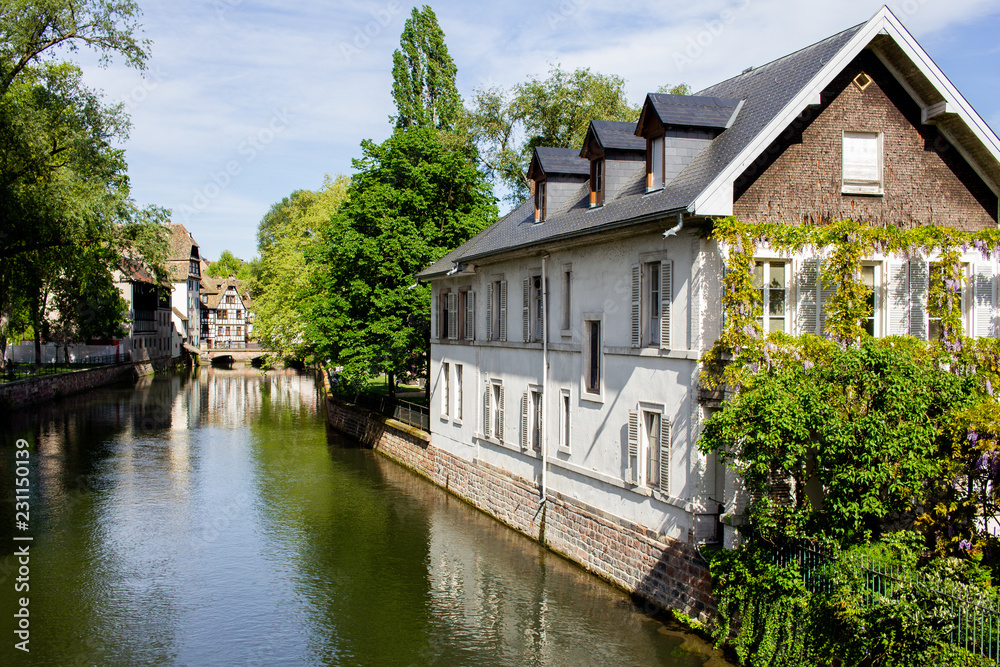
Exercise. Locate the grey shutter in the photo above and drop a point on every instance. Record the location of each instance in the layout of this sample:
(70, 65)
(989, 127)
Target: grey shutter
(984, 301)
(636, 309)
(490, 333)
(664, 454)
(526, 310)
(453, 315)
(826, 293)
(525, 413)
(541, 311)
(918, 299)
(470, 315)
(503, 310)
(633, 444)
(500, 409)
(807, 287)
(666, 298)
(899, 299)
(487, 412)
(436, 314)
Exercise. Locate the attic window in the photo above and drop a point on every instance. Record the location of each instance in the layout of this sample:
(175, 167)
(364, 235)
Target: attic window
(654, 164)
(862, 81)
(540, 200)
(862, 163)
(597, 182)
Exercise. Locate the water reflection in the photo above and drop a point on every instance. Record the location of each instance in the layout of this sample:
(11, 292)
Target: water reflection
(208, 518)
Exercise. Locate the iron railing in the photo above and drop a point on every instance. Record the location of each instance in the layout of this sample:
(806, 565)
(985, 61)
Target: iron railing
(14, 372)
(415, 415)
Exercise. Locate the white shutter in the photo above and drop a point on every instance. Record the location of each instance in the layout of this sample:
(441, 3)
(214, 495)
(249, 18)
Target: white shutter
(826, 292)
(666, 298)
(633, 445)
(984, 301)
(918, 299)
(453, 315)
(503, 310)
(664, 454)
(541, 311)
(490, 333)
(470, 315)
(636, 310)
(899, 299)
(807, 287)
(526, 310)
(487, 412)
(525, 413)
(500, 408)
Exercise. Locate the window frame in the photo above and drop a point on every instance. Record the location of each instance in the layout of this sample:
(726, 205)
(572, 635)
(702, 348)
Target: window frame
(565, 420)
(541, 199)
(598, 174)
(445, 390)
(766, 296)
(862, 186)
(566, 321)
(653, 160)
(590, 364)
(459, 393)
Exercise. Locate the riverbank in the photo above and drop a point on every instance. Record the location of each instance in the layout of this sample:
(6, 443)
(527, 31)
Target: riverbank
(32, 391)
(663, 573)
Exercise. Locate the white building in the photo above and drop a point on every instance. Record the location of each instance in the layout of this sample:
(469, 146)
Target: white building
(184, 264)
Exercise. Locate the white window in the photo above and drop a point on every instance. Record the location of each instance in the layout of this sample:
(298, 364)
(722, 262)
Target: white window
(649, 447)
(862, 163)
(567, 283)
(906, 298)
(540, 201)
(934, 331)
(533, 319)
(592, 357)
(770, 278)
(496, 310)
(531, 420)
(564, 416)
(655, 171)
(493, 410)
(458, 392)
(652, 295)
(445, 390)
(871, 278)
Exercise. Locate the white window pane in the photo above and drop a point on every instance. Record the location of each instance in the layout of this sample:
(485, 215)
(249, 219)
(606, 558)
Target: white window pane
(861, 157)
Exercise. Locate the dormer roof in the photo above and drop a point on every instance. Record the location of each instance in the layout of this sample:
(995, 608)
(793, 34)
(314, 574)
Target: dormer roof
(563, 161)
(603, 135)
(688, 111)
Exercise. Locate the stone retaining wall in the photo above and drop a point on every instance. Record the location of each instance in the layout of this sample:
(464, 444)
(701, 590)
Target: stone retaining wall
(666, 573)
(47, 387)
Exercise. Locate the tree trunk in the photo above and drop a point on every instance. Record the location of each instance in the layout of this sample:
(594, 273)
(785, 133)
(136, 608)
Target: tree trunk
(38, 347)
(392, 384)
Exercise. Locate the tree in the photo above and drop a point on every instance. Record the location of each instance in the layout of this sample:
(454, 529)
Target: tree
(227, 265)
(413, 199)
(553, 112)
(423, 75)
(281, 286)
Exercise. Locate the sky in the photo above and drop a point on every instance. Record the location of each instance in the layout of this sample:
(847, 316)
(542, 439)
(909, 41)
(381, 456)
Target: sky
(245, 101)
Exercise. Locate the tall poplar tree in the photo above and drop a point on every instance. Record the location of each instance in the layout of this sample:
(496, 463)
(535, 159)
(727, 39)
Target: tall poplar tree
(423, 75)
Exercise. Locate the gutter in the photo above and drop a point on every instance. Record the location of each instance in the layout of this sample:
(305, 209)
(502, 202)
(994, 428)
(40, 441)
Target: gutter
(545, 378)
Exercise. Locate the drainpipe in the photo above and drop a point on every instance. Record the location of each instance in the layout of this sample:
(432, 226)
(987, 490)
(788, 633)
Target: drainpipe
(545, 378)
(673, 230)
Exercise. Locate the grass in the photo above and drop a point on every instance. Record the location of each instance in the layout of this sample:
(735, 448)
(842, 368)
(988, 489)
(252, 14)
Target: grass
(380, 386)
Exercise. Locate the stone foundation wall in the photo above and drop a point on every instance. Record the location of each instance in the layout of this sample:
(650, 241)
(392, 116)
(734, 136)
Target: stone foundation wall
(47, 387)
(664, 572)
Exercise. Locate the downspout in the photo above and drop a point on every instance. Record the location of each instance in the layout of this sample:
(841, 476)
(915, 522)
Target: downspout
(545, 378)
(673, 230)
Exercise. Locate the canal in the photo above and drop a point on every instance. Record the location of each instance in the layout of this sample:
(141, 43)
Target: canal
(209, 518)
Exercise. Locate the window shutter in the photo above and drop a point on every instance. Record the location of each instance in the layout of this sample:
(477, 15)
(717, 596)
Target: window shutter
(453, 315)
(826, 293)
(918, 299)
(664, 454)
(525, 411)
(470, 315)
(526, 310)
(540, 417)
(487, 412)
(541, 312)
(500, 409)
(490, 333)
(984, 301)
(808, 283)
(633, 444)
(435, 313)
(899, 299)
(666, 297)
(503, 310)
(636, 309)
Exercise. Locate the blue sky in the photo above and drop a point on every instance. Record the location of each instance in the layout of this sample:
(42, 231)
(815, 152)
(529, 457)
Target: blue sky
(246, 101)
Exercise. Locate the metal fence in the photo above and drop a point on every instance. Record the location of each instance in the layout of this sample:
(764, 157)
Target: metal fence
(415, 415)
(974, 616)
(13, 372)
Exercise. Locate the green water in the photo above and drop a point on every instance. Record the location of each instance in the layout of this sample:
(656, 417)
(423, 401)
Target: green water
(209, 518)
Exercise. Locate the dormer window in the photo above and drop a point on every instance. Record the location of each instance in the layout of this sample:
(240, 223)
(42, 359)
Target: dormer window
(597, 182)
(654, 164)
(540, 196)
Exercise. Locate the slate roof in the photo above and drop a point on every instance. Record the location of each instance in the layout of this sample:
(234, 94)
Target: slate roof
(694, 110)
(616, 134)
(562, 161)
(215, 289)
(764, 90)
(180, 243)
